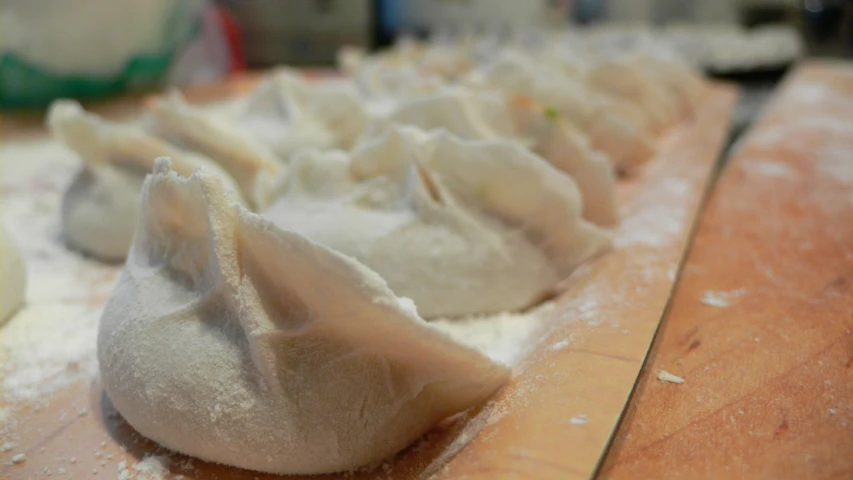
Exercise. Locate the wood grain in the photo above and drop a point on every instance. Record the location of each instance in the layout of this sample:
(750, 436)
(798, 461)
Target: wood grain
(768, 389)
(553, 420)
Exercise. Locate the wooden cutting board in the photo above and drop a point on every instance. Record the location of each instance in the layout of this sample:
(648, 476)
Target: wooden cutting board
(556, 416)
(768, 368)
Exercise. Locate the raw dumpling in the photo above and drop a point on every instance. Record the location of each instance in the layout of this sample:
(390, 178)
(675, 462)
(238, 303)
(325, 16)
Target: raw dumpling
(252, 165)
(13, 277)
(676, 77)
(614, 126)
(288, 113)
(350, 59)
(566, 148)
(460, 227)
(100, 208)
(276, 121)
(229, 339)
(485, 117)
(459, 111)
(385, 88)
(632, 84)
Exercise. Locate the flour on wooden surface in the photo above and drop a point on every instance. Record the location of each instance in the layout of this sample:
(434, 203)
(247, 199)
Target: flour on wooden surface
(658, 217)
(50, 342)
(561, 344)
(770, 168)
(721, 299)
(153, 466)
(501, 337)
(580, 419)
(810, 93)
(667, 377)
(837, 163)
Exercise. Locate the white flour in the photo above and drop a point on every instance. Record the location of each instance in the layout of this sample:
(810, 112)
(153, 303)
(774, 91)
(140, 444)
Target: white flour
(579, 419)
(770, 168)
(658, 216)
(667, 377)
(154, 467)
(837, 163)
(502, 337)
(721, 299)
(49, 343)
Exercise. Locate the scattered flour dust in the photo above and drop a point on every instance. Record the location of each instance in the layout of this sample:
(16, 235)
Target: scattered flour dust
(775, 169)
(561, 344)
(811, 92)
(47, 347)
(667, 377)
(49, 343)
(579, 419)
(721, 299)
(837, 164)
(658, 217)
(152, 467)
(502, 336)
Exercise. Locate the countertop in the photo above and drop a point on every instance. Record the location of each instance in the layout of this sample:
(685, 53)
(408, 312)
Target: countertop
(760, 325)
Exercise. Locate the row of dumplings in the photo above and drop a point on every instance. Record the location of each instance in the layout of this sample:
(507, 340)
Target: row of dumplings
(271, 311)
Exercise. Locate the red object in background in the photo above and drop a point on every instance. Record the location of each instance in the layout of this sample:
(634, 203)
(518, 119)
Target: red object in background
(237, 61)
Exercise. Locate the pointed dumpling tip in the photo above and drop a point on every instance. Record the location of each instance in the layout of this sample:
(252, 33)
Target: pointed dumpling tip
(173, 98)
(62, 110)
(84, 133)
(162, 166)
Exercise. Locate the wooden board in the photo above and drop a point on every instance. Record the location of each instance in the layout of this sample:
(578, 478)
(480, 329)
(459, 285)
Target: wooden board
(768, 389)
(553, 420)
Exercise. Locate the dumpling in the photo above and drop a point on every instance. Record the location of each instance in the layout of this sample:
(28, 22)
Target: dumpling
(100, 207)
(685, 83)
(614, 126)
(460, 227)
(566, 148)
(237, 342)
(620, 138)
(279, 123)
(288, 113)
(384, 88)
(633, 84)
(252, 165)
(350, 59)
(485, 117)
(448, 61)
(459, 111)
(13, 277)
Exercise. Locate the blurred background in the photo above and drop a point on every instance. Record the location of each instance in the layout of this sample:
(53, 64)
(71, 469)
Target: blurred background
(90, 49)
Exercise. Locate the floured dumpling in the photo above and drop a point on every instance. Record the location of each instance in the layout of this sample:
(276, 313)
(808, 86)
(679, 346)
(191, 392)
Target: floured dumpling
(459, 111)
(676, 77)
(487, 117)
(252, 164)
(460, 227)
(288, 113)
(100, 209)
(614, 126)
(568, 149)
(13, 277)
(350, 59)
(632, 84)
(384, 88)
(237, 342)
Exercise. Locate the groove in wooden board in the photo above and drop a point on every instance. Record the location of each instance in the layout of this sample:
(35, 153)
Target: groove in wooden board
(525, 431)
(769, 379)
